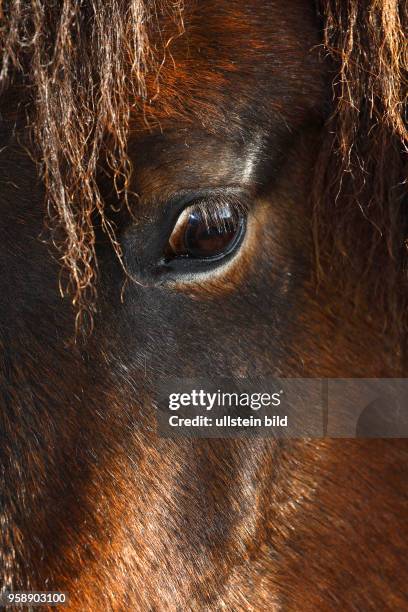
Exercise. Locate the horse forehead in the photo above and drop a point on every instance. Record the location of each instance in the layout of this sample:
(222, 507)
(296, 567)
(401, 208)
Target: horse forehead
(223, 56)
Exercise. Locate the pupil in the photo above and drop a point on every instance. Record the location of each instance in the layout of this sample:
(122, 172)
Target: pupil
(206, 237)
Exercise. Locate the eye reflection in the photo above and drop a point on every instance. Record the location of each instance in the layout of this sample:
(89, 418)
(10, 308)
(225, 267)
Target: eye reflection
(207, 231)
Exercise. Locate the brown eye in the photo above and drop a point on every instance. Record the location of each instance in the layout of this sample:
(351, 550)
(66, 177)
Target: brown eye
(207, 233)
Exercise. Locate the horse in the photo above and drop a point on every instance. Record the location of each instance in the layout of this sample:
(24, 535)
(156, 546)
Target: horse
(199, 189)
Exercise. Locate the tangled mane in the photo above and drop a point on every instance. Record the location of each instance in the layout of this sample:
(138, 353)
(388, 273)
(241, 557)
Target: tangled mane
(86, 64)
(359, 194)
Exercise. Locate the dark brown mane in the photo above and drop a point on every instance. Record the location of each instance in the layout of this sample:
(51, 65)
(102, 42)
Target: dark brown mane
(360, 179)
(86, 64)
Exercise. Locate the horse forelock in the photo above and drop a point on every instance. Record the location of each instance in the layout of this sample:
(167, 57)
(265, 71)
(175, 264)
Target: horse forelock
(91, 64)
(87, 64)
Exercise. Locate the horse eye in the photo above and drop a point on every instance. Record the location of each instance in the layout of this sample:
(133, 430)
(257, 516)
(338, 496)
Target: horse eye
(206, 232)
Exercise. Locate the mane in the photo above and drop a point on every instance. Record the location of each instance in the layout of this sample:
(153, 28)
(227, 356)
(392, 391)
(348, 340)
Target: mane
(86, 64)
(359, 194)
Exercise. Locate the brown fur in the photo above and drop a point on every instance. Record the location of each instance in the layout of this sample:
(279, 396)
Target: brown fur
(212, 94)
(83, 95)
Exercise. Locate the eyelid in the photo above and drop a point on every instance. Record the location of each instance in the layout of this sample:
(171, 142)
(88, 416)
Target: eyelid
(174, 204)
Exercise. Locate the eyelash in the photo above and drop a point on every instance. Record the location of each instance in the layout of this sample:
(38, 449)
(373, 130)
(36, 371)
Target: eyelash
(212, 208)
